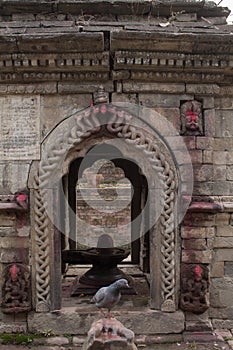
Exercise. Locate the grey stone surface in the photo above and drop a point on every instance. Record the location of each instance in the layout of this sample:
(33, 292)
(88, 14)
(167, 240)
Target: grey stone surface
(228, 268)
(153, 322)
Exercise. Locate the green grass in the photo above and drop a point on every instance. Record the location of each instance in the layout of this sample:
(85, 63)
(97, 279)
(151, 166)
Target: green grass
(18, 338)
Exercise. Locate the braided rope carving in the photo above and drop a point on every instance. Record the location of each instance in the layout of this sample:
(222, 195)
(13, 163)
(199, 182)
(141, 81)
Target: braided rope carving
(87, 124)
(168, 185)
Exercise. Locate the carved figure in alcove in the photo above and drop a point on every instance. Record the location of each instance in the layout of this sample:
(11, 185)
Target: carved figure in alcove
(194, 288)
(16, 289)
(191, 118)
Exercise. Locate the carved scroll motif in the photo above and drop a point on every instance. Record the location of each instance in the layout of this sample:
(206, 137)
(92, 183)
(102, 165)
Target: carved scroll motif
(118, 123)
(15, 291)
(191, 118)
(194, 288)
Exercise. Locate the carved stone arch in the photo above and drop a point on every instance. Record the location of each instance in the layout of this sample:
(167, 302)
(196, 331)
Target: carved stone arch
(154, 140)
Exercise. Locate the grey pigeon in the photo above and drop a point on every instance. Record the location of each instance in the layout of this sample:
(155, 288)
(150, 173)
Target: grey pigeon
(108, 297)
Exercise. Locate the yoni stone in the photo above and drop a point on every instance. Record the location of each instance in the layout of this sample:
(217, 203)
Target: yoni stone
(109, 334)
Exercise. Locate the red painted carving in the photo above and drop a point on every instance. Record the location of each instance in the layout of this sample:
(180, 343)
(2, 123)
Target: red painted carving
(15, 292)
(194, 288)
(191, 118)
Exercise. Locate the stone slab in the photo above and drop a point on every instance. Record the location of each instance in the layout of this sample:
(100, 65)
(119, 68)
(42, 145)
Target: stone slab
(20, 127)
(57, 42)
(70, 322)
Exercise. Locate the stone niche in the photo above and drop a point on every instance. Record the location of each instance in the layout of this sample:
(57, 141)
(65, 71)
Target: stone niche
(101, 184)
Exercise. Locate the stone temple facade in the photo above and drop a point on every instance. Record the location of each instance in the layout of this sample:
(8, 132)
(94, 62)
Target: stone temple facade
(151, 82)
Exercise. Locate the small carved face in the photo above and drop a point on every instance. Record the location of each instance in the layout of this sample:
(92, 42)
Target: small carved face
(192, 121)
(198, 273)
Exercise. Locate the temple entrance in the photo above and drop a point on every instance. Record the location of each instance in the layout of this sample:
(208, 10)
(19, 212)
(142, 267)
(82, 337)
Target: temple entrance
(145, 172)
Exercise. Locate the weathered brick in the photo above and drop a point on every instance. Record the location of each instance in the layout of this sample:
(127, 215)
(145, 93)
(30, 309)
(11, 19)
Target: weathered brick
(190, 142)
(203, 172)
(219, 157)
(72, 88)
(219, 172)
(7, 219)
(196, 156)
(224, 231)
(209, 122)
(197, 256)
(204, 143)
(223, 123)
(223, 144)
(208, 102)
(130, 98)
(229, 157)
(229, 173)
(7, 231)
(196, 244)
(223, 103)
(161, 100)
(57, 341)
(193, 232)
(217, 269)
(222, 219)
(207, 157)
(222, 188)
(205, 89)
(203, 188)
(14, 255)
(223, 242)
(153, 87)
(199, 219)
(228, 268)
(8, 243)
(224, 254)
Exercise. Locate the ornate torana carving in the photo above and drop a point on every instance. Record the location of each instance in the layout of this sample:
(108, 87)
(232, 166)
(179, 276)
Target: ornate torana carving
(194, 288)
(191, 118)
(15, 290)
(88, 123)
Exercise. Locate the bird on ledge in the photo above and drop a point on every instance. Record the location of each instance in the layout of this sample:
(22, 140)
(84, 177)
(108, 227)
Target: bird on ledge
(108, 297)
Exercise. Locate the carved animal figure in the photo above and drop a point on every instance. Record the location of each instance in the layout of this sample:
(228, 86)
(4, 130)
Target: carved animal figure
(108, 297)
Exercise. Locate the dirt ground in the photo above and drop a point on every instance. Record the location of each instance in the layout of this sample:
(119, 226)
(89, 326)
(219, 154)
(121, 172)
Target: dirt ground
(175, 346)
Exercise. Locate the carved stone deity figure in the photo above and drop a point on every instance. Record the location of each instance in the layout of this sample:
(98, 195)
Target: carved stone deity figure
(15, 291)
(191, 118)
(194, 288)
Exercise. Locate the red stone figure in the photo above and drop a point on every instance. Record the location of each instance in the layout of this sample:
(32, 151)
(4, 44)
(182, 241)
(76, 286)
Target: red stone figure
(191, 118)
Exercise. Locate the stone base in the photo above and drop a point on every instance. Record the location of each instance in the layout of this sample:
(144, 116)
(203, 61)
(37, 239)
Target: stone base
(72, 321)
(109, 334)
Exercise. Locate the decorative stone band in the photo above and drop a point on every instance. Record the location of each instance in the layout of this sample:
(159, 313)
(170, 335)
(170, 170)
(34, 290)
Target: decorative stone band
(14, 202)
(117, 123)
(211, 207)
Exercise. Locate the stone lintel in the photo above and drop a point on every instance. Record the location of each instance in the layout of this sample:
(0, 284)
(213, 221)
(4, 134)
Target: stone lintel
(170, 42)
(52, 42)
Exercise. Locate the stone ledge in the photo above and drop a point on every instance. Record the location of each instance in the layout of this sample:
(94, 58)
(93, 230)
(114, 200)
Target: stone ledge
(149, 322)
(114, 7)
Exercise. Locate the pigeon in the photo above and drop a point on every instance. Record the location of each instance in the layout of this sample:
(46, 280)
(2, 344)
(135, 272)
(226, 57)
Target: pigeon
(108, 297)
